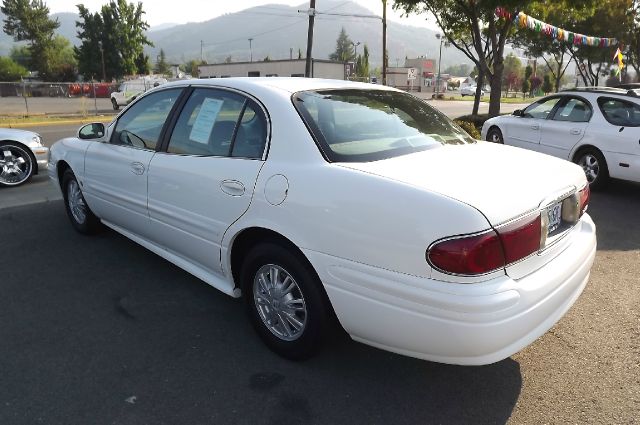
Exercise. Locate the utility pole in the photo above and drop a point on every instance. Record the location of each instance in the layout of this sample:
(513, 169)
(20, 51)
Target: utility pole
(201, 51)
(441, 38)
(384, 42)
(250, 51)
(290, 53)
(312, 15)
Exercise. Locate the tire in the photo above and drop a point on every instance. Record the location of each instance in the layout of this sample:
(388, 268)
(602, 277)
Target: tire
(17, 165)
(494, 135)
(292, 323)
(595, 167)
(115, 105)
(81, 217)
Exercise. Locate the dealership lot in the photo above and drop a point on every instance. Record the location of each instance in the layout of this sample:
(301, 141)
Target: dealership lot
(99, 330)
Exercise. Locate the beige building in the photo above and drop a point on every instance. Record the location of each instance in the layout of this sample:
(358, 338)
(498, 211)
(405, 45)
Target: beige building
(425, 81)
(275, 68)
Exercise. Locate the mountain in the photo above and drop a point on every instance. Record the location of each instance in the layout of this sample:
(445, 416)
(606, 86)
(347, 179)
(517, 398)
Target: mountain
(274, 30)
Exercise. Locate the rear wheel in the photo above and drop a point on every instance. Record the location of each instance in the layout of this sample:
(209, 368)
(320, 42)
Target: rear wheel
(81, 216)
(285, 301)
(16, 164)
(115, 105)
(494, 135)
(595, 167)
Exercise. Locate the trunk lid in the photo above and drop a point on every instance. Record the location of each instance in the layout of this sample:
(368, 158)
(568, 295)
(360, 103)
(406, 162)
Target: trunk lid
(502, 182)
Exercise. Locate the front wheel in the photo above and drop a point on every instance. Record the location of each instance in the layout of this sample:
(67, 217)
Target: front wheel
(285, 301)
(595, 167)
(81, 216)
(494, 135)
(115, 105)
(16, 164)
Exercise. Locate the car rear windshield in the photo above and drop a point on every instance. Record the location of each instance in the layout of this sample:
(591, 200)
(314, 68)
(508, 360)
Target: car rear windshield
(355, 125)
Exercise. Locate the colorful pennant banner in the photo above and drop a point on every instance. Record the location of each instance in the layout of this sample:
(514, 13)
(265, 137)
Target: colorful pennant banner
(523, 20)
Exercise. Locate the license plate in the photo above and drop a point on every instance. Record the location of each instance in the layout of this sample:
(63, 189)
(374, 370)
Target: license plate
(555, 217)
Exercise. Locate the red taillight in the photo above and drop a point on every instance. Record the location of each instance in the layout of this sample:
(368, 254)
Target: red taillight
(480, 254)
(470, 255)
(585, 196)
(521, 238)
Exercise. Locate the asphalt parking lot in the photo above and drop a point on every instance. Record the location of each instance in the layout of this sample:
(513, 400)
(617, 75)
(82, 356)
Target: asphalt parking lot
(98, 330)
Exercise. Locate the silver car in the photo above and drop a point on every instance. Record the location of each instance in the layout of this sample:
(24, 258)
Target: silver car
(22, 155)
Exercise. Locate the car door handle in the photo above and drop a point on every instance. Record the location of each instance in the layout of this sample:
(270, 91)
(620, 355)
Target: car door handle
(232, 187)
(137, 168)
(535, 126)
(575, 131)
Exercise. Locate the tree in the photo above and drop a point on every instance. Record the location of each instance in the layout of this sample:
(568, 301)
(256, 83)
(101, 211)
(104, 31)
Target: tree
(547, 86)
(299, 53)
(461, 70)
(191, 67)
(10, 70)
(526, 81)
(162, 67)
(21, 55)
(267, 59)
(512, 72)
(345, 51)
(116, 35)
(473, 28)
(29, 21)
(362, 63)
(228, 59)
(565, 14)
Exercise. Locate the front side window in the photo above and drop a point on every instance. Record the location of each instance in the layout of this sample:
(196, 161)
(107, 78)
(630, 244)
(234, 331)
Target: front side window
(573, 110)
(620, 112)
(353, 125)
(219, 123)
(541, 109)
(140, 126)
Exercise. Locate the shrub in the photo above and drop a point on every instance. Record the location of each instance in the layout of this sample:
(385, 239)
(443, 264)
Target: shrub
(469, 127)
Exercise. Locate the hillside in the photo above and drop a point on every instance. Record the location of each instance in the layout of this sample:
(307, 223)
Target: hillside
(275, 29)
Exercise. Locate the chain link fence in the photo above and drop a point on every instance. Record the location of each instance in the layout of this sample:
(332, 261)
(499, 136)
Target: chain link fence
(42, 98)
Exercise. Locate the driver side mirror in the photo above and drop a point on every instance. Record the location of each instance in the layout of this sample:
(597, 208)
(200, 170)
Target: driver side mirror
(91, 131)
(518, 113)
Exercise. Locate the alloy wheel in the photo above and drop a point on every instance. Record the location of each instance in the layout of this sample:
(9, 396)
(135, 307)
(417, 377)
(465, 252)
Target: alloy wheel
(591, 167)
(279, 302)
(15, 165)
(76, 203)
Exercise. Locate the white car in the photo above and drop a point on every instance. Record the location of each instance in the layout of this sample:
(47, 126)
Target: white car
(22, 155)
(322, 199)
(129, 90)
(598, 128)
(470, 91)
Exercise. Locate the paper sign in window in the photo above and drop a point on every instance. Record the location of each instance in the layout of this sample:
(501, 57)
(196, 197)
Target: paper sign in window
(202, 127)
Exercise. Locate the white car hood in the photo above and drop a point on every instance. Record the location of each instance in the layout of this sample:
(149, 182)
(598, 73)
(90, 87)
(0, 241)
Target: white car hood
(502, 182)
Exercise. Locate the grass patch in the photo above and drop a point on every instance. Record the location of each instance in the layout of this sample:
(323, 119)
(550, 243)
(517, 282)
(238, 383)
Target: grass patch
(33, 120)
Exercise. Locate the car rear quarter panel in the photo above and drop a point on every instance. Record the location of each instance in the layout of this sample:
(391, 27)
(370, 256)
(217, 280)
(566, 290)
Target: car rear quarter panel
(347, 213)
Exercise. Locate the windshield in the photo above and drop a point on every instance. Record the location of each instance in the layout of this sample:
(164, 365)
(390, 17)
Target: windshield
(355, 125)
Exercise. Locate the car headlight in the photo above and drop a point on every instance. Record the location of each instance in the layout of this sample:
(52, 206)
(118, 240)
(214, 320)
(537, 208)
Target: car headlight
(37, 140)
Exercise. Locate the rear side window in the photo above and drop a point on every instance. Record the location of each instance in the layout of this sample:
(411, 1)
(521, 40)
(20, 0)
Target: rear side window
(353, 125)
(219, 123)
(541, 109)
(573, 110)
(620, 112)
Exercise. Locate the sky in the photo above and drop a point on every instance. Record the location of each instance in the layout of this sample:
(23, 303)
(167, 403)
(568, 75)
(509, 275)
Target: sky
(183, 11)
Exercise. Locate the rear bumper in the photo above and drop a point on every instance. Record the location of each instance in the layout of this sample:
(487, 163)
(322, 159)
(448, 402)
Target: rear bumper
(467, 324)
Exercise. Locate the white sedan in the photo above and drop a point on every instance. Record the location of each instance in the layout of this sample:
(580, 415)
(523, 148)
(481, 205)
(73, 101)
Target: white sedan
(599, 129)
(470, 91)
(319, 200)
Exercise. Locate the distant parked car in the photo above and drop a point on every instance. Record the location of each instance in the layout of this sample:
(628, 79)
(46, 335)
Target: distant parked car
(323, 199)
(598, 129)
(21, 156)
(470, 91)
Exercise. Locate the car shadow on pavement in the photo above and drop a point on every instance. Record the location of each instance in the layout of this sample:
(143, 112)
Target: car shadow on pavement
(614, 210)
(99, 330)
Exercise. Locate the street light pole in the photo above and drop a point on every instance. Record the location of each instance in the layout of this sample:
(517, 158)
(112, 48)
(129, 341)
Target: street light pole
(439, 37)
(250, 51)
(384, 42)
